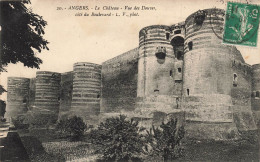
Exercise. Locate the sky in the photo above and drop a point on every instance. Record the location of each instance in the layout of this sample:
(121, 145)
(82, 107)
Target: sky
(97, 39)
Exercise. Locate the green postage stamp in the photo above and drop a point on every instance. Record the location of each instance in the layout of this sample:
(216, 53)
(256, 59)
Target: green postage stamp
(241, 24)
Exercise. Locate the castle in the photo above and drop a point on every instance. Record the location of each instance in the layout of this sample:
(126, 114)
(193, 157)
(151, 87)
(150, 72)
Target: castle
(182, 71)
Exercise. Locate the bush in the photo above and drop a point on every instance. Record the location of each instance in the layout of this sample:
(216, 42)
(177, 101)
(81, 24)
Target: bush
(118, 139)
(73, 127)
(41, 119)
(166, 140)
(20, 122)
(2, 108)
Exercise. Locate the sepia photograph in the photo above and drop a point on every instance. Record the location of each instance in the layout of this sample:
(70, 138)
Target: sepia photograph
(129, 80)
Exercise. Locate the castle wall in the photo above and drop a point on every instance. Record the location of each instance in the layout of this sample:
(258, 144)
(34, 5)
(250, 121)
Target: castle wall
(86, 91)
(17, 96)
(32, 89)
(66, 93)
(119, 82)
(241, 95)
(255, 93)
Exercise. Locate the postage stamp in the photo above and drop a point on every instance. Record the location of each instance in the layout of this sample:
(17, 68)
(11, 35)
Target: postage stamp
(241, 24)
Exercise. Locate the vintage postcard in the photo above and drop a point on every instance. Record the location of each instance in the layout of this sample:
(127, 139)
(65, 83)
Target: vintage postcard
(136, 80)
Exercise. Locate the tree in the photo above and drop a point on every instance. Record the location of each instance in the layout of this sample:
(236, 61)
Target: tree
(2, 105)
(21, 34)
(118, 139)
(2, 90)
(2, 110)
(73, 127)
(166, 140)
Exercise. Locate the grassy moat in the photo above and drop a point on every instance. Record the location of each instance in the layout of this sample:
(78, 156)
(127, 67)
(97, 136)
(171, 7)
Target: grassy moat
(44, 145)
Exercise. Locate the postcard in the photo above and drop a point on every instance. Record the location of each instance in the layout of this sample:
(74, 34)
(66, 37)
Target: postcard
(147, 80)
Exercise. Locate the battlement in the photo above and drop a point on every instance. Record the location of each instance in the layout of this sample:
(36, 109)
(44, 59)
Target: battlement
(145, 30)
(207, 14)
(86, 65)
(46, 72)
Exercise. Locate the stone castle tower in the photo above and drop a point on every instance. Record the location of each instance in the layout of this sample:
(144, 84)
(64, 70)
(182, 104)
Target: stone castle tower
(17, 96)
(86, 91)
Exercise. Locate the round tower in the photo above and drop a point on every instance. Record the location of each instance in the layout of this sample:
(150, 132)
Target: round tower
(156, 62)
(17, 96)
(159, 81)
(256, 92)
(86, 91)
(47, 95)
(207, 79)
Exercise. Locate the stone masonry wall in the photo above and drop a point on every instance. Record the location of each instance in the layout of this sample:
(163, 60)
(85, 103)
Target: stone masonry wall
(66, 93)
(255, 93)
(32, 92)
(241, 95)
(17, 96)
(119, 82)
(86, 91)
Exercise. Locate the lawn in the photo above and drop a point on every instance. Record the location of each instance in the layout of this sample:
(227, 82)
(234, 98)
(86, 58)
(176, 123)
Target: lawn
(245, 149)
(239, 150)
(69, 150)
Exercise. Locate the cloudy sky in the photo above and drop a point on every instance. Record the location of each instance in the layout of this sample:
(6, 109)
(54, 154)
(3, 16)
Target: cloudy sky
(97, 39)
